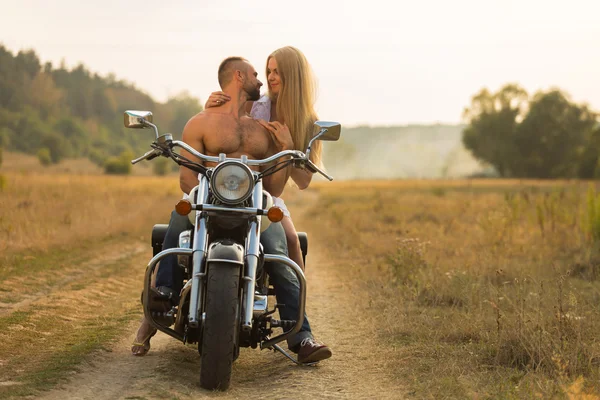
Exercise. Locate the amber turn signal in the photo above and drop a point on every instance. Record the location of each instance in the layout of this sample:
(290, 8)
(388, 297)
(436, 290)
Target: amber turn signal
(183, 207)
(275, 214)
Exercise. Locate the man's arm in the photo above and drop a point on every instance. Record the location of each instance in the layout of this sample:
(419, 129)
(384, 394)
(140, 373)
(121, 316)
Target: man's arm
(192, 135)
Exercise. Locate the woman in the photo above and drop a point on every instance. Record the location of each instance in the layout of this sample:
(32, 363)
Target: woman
(289, 101)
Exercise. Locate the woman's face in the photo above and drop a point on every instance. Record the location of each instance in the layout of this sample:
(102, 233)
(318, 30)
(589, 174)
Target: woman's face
(273, 78)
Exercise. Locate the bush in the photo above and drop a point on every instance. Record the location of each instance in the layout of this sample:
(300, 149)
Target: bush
(160, 166)
(97, 157)
(58, 147)
(118, 165)
(44, 156)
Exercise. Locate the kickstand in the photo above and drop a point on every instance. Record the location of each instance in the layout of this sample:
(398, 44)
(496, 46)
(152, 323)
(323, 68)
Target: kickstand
(278, 348)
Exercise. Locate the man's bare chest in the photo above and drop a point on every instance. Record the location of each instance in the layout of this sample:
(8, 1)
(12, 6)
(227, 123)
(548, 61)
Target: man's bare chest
(239, 138)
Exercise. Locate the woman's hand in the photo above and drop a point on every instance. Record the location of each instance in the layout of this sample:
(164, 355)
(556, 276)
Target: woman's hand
(280, 133)
(216, 99)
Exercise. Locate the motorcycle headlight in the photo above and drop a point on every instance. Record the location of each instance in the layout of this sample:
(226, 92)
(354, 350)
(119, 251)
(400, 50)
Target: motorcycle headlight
(232, 182)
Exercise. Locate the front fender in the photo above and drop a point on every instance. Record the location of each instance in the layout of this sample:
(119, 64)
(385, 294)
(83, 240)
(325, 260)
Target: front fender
(226, 251)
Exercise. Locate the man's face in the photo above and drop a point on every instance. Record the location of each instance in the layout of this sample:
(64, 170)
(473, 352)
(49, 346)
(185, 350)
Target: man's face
(252, 84)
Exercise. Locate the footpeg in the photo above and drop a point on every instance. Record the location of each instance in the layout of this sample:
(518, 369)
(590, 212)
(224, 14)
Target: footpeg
(285, 324)
(160, 307)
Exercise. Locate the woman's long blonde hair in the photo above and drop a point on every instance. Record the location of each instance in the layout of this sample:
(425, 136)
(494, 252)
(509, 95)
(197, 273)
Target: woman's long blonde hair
(296, 99)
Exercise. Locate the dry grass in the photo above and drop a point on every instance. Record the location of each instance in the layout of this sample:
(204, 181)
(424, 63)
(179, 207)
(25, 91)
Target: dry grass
(476, 289)
(72, 254)
(19, 162)
(38, 211)
(482, 289)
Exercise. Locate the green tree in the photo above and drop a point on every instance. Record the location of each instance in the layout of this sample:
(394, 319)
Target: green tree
(181, 107)
(552, 139)
(72, 131)
(589, 166)
(492, 121)
(75, 112)
(44, 96)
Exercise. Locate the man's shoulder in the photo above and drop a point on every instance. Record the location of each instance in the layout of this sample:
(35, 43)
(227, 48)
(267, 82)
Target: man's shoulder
(201, 116)
(195, 126)
(198, 120)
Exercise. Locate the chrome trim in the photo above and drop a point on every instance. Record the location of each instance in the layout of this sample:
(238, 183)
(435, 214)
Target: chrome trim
(148, 154)
(257, 197)
(224, 261)
(184, 239)
(150, 124)
(302, 299)
(239, 210)
(146, 294)
(260, 304)
(133, 118)
(316, 137)
(198, 257)
(215, 173)
(187, 284)
(294, 153)
(185, 146)
(251, 258)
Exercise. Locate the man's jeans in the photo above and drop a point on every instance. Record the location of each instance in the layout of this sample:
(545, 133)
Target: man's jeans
(283, 279)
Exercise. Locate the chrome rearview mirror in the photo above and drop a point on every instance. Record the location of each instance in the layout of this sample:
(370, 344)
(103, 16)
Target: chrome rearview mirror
(133, 119)
(328, 130)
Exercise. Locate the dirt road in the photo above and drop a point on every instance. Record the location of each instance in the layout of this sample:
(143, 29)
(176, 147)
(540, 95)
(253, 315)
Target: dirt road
(171, 370)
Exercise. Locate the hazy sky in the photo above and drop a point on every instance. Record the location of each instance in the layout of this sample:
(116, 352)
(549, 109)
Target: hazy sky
(377, 62)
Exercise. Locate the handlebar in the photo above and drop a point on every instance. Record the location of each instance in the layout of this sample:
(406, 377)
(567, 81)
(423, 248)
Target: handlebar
(148, 156)
(296, 154)
(203, 157)
(165, 142)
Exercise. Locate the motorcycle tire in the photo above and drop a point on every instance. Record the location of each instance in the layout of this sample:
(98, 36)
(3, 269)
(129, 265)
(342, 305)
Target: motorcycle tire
(220, 328)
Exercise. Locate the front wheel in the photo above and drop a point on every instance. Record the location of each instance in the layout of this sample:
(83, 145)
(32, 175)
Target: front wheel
(220, 328)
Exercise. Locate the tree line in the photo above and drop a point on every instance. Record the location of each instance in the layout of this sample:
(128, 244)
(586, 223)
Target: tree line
(58, 113)
(543, 136)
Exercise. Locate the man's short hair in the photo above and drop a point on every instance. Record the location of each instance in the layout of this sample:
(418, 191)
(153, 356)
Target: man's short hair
(227, 67)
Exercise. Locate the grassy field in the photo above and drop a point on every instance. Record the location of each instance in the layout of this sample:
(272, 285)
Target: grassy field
(479, 288)
(73, 249)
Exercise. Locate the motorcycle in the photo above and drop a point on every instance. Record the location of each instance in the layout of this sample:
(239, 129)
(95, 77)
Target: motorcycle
(223, 305)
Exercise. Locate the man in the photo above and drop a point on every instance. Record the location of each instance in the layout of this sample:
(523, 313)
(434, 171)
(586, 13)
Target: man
(228, 129)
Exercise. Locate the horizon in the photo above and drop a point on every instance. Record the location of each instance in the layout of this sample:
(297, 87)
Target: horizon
(419, 64)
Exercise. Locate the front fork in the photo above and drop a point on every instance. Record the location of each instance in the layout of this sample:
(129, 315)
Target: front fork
(199, 257)
(252, 257)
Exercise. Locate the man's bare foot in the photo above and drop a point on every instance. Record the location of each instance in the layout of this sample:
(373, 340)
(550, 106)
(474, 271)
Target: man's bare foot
(141, 344)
